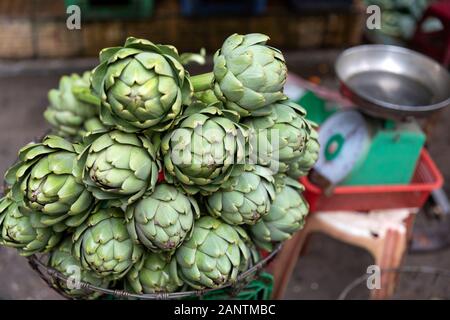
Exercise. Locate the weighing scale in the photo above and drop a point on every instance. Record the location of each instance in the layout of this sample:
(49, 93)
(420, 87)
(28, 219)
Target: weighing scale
(378, 142)
(361, 150)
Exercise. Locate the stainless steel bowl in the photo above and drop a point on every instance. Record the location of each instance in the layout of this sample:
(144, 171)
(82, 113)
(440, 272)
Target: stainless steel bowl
(392, 82)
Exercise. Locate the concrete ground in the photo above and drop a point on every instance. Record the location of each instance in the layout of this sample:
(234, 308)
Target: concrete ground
(322, 273)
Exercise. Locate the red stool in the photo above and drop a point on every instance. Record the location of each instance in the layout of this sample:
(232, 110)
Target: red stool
(435, 44)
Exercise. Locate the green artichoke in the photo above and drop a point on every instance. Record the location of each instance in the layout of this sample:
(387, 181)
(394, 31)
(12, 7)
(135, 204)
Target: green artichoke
(300, 166)
(119, 166)
(245, 197)
(200, 153)
(103, 245)
(248, 74)
(279, 136)
(21, 229)
(71, 105)
(214, 255)
(48, 179)
(62, 260)
(154, 273)
(141, 86)
(162, 220)
(286, 216)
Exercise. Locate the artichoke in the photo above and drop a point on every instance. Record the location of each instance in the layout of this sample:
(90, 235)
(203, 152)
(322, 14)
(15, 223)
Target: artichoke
(162, 220)
(141, 86)
(279, 136)
(248, 74)
(103, 245)
(200, 153)
(71, 105)
(214, 255)
(62, 260)
(300, 166)
(286, 216)
(245, 197)
(119, 166)
(21, 229)
(154, 273)
(48, 179)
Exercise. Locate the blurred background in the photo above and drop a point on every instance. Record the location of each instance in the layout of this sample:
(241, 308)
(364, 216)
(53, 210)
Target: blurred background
(37, 28)
(37, 47)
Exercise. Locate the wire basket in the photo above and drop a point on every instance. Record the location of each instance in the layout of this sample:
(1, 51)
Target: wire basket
(53, 278)
(414, 283)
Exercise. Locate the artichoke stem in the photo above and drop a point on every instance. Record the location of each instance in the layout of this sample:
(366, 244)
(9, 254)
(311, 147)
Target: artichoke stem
(203, 81)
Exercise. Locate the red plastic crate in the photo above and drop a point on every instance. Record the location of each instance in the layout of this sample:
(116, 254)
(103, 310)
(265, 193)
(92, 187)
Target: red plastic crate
(427, 178)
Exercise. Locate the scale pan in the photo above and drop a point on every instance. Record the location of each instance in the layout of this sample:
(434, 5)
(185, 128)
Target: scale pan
(392, 82)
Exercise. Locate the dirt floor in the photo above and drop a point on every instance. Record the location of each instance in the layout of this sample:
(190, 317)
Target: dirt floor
(322, 273)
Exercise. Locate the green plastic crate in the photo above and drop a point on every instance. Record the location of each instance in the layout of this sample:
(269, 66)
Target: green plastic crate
(258, 289)
(317, 109)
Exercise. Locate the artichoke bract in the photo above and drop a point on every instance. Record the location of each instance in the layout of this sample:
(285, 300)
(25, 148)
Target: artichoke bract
(200, 153)
(21, 229)
(299, 167)
(93, 125)
(48, 178)
(214, 255)
(103, 245)
(207, 97)
(141, 85)
(162, 220)
(119, 166)
(287, 215)
(248, 74)
(62, 260)
(154, 273)
(245, 197)
(68, 111)
(279, 136)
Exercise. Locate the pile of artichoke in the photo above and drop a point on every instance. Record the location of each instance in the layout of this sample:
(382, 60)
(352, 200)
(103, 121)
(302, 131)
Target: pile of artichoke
(154, 180)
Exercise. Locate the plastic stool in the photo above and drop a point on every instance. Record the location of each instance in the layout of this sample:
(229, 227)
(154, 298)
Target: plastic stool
(384, 233)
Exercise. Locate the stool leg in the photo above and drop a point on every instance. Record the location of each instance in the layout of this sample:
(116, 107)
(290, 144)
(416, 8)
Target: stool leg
(284, 264)
(388, 257)
(409, 224)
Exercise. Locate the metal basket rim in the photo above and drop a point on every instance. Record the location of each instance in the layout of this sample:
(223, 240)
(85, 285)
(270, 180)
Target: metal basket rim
(39, 266)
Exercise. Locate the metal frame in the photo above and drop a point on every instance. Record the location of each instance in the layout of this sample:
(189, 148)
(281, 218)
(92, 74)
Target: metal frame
(48, 274)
